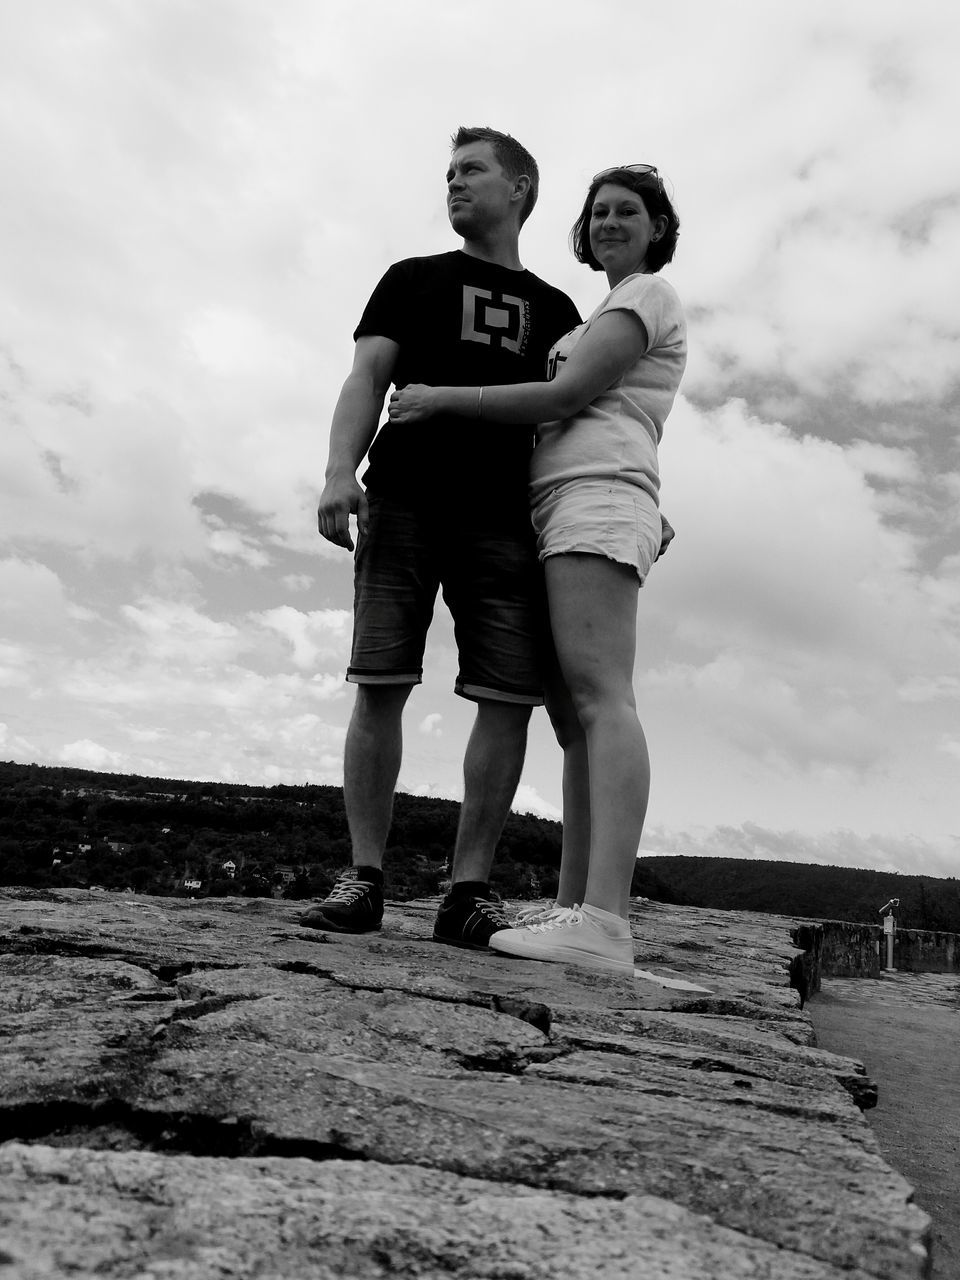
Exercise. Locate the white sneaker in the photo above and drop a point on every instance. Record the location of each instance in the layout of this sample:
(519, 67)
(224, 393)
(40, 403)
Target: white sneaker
(570, 935)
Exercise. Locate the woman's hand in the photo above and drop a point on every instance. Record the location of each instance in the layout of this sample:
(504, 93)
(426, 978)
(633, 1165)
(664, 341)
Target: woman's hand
(413, 404)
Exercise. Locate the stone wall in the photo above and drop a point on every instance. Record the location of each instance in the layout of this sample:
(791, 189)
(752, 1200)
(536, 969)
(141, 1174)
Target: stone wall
(851, 950)
(922, 951)
(840, 949)
(200, 1089)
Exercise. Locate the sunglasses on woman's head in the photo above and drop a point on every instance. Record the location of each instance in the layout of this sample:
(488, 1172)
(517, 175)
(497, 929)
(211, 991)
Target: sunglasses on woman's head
(642, 169)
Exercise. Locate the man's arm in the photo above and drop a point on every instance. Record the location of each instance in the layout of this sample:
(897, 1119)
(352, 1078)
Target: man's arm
(354, 425)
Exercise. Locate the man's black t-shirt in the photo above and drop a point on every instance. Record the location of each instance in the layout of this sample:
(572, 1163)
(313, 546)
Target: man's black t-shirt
(460, 321)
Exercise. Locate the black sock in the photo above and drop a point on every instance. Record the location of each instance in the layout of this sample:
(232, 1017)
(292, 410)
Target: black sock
(470, 889)
(374, 874)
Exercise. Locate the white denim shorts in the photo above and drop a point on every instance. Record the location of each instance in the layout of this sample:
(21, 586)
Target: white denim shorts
(599, 517)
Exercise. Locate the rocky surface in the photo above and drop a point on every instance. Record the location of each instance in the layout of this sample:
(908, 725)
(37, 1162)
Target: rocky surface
(204, 1090)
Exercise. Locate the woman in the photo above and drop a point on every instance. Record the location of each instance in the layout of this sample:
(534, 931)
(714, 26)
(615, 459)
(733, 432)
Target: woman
(595, 505)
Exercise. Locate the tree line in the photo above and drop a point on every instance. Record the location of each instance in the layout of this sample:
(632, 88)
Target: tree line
(801, 889)
(63, 827)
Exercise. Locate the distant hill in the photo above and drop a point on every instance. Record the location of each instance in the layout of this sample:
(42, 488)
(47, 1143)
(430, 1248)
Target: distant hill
(800, 889)
(62, 826)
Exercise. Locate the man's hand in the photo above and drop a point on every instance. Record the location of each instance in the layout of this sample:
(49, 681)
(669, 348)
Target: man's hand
(413, 403)
(342, 497)
(353, 428)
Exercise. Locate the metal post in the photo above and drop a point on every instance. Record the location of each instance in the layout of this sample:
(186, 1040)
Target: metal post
(889, 929)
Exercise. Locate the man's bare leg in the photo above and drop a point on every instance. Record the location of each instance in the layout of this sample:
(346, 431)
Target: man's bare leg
(491, 773)
(371, 766)
(470, 914)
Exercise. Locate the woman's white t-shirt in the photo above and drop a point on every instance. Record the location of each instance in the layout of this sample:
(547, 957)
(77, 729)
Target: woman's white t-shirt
(616, 436)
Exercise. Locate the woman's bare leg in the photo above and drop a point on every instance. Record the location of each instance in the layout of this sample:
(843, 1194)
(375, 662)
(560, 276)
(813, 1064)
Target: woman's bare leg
(575, 854)
(593, 611)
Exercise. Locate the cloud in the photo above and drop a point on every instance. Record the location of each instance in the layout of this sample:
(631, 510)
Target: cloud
(106, 476)
(827, 278)
(783, 545)
(766, 713)
(297, 581)
(430, 725)
(185, 257)
(174, 630)
(142, 736)
(253, 728)
(34, 598)
(15, 662)
(90, 755)
(930, 688)
(323, 633)
(157, 688)
(903, 855)
(232, 544)
(528, 800)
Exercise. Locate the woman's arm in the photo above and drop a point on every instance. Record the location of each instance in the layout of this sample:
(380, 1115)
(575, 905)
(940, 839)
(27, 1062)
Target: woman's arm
(614, 342)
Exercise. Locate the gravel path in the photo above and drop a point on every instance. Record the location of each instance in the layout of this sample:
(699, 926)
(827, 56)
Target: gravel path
(905, 1029)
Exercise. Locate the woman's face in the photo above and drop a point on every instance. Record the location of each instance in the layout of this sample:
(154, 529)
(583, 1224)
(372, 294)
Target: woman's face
(621, 230)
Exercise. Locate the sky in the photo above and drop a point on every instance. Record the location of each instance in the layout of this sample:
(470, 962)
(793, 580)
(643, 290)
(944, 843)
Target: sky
(195, 203)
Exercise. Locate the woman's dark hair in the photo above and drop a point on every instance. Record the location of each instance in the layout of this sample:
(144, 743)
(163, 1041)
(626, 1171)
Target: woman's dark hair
(649, 187)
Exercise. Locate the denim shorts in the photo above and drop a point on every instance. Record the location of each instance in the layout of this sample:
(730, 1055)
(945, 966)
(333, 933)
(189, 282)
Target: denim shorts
(491, 583)
(600, 517)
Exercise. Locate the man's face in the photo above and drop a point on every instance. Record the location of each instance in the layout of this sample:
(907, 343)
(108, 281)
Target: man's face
(478, 191)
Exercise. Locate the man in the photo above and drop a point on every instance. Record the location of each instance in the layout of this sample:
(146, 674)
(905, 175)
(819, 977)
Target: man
(444, 506)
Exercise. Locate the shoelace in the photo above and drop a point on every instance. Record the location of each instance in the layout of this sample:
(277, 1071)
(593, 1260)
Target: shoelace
(492, 909)
(348, 891)
(561, 917)
(528, 916)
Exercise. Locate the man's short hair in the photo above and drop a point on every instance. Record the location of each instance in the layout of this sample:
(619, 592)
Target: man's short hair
(513, 159)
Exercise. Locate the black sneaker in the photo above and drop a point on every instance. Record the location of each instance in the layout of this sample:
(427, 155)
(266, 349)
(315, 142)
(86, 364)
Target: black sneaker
(469, 920)
(354, 905)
